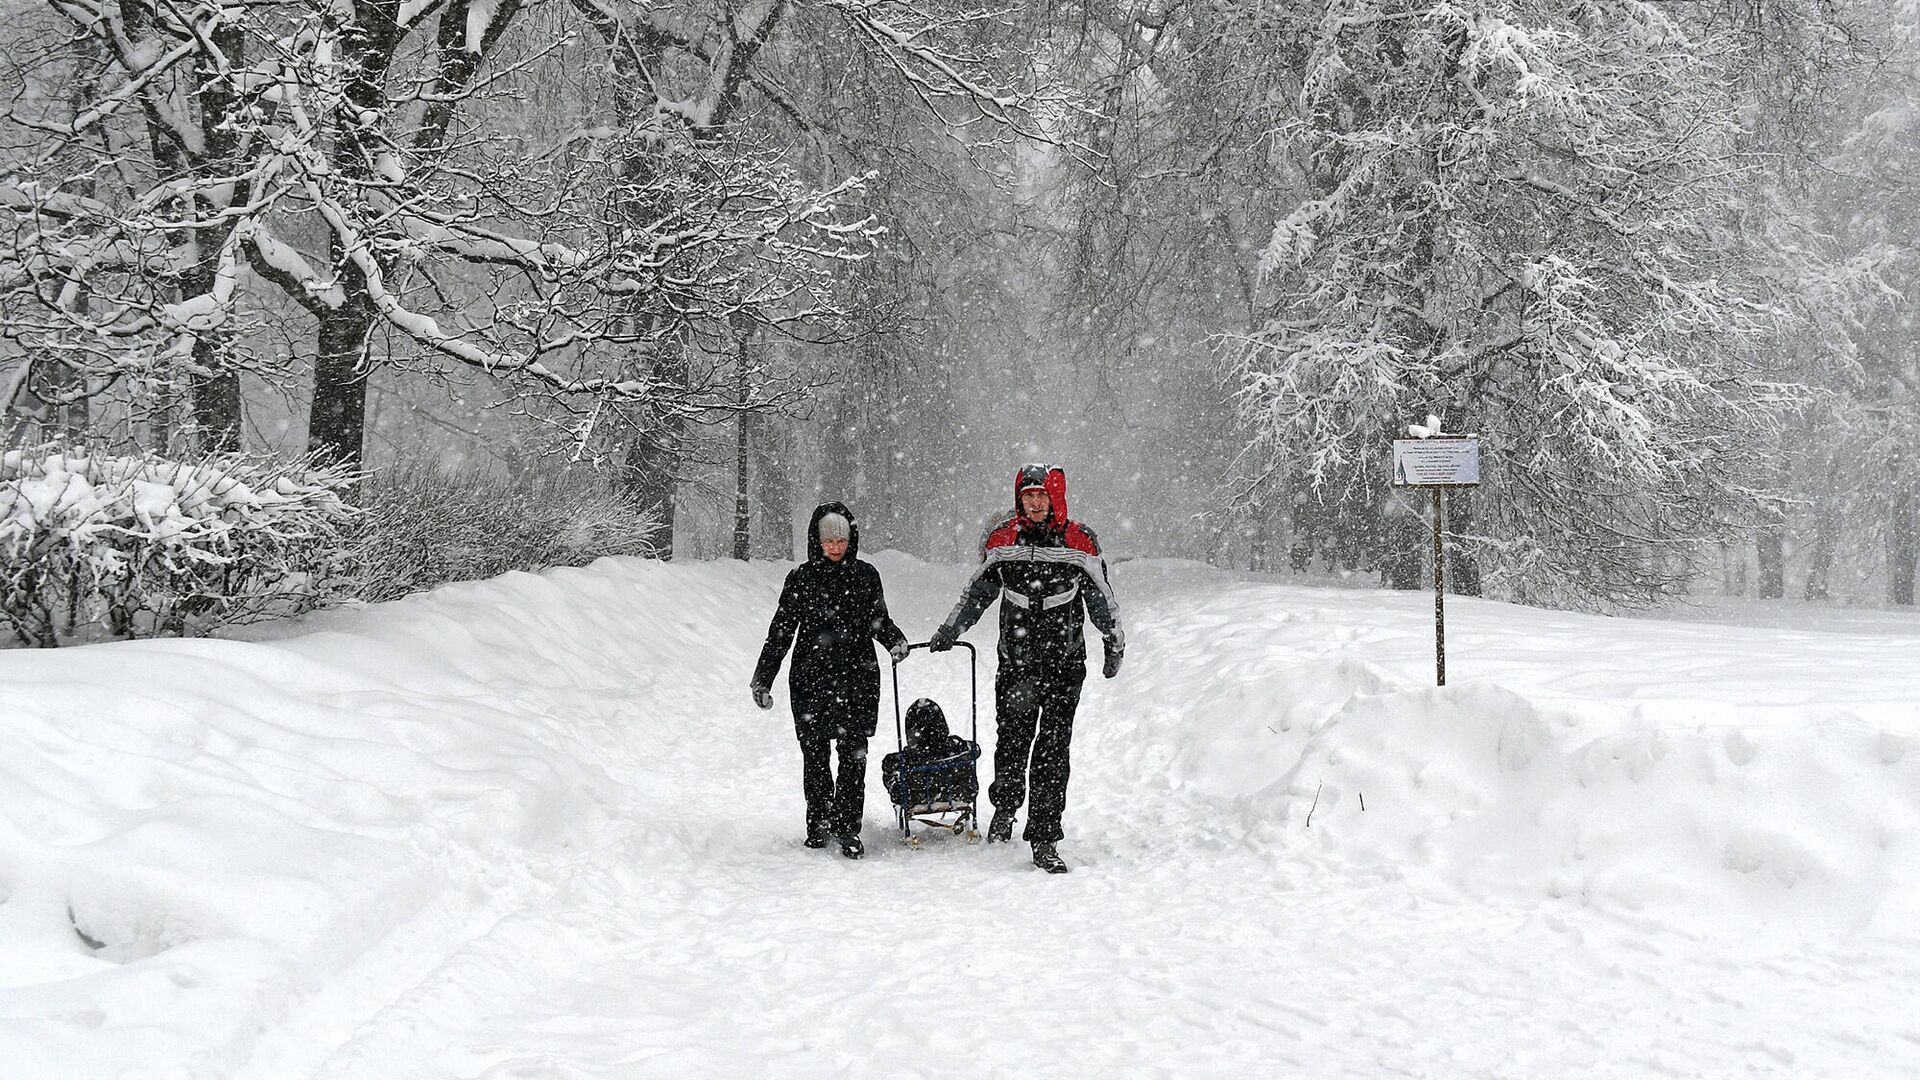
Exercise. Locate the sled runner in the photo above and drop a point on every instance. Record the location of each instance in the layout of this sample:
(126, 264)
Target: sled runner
(933, 779)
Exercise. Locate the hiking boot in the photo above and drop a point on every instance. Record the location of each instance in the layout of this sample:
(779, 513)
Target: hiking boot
(816, 836)
(851, 847)
(1000, 829)
(1048, 859)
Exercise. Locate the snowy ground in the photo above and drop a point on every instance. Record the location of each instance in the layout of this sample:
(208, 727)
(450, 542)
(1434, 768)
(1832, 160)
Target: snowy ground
(534, 828)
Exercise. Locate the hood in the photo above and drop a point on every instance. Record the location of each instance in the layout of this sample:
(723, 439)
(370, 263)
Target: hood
(926, 722)
(1049, 477)
(813, 532)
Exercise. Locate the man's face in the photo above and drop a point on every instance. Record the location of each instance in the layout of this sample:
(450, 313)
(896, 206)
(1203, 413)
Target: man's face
(835, 549)
(1035, 503)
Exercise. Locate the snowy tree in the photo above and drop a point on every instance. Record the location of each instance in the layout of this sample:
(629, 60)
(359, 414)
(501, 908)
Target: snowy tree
(1859, 469)
(1791, 64)
(1158, 222)
(344, 156)
(122, 261)
(1521, 219)
(849, 88)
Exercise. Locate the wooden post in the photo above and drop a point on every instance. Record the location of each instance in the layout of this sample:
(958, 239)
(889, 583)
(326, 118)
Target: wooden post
(1439, 586)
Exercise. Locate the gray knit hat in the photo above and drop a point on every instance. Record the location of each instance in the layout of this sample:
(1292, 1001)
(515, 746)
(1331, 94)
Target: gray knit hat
(834, 527)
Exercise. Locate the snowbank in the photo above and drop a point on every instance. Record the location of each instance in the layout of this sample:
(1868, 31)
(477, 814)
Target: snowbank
(197, 836)
(1719, 778)
(196, 833)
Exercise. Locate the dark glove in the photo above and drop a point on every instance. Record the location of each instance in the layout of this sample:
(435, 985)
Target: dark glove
(899, 650)
(762, 696)
(1116, 648)
(943, 638)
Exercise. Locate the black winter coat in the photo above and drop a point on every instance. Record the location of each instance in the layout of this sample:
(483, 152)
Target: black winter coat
(830, 614)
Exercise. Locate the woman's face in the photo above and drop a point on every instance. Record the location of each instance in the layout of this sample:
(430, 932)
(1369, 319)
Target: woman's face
(834, 549)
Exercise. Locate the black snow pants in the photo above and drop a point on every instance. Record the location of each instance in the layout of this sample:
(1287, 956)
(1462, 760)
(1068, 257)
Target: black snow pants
(1035, 706)
(834, 805)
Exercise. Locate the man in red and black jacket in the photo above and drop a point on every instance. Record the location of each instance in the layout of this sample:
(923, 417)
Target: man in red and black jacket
(1047, 571)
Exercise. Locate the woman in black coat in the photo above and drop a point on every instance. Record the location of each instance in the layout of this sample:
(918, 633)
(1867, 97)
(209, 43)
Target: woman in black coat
(831, 612)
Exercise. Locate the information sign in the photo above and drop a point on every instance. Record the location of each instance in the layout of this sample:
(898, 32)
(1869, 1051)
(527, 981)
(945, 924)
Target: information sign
(1440, 462)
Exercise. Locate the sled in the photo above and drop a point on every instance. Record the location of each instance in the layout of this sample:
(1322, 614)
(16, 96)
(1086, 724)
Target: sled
(942, 793)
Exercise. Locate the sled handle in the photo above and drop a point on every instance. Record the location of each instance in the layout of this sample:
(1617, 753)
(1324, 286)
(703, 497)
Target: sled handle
(973, 691)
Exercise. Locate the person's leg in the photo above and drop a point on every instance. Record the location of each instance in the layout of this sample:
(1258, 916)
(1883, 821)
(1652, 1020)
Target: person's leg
(816, 783)
(1016, 703)
(1059, 700)
(850, 788)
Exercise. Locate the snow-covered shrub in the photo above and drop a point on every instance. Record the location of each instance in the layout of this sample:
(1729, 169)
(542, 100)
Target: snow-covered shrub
(127, 545)
(426, 526)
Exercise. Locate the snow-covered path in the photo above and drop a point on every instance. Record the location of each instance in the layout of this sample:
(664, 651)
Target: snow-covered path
(1612, 848)
(1197, 937)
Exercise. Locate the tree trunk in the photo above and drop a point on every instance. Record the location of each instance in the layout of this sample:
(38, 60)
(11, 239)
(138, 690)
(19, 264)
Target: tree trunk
(651, 472)
(1407, 542)
(837, 453)
(1770, 553)
(1903, 545)
(63, 386)
(773, 492)
(879, 445)
(1826, 537)
(337, 416)
(1463, 569)
(214, 389)
(743, 423)
(1733, 570)
(1259, 535)
(68, 412)
(649, 477)
(1303, 527)
(217, 415)
(160, 419)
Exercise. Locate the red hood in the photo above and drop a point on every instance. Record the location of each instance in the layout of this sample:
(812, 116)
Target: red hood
(1056, 488)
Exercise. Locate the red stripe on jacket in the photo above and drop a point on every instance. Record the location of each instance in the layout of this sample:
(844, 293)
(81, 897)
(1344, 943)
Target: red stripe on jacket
(1008, 533)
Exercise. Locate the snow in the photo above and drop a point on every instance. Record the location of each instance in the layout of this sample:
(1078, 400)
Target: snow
(480, 17)
(289, 262)
(197, 313)
(412, 10)
(534, 827)
(88, 499)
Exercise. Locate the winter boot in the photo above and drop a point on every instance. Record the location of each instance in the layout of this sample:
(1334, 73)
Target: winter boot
(851, 847)
(1000, 829)
(1048, 859)
(817, 834)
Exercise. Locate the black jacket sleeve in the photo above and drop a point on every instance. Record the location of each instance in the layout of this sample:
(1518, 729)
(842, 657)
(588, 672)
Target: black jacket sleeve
(881, 625)
(1102, 607)
(981, 592)
(786, 621)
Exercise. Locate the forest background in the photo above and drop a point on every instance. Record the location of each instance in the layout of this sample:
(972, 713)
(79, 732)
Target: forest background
(468, 285)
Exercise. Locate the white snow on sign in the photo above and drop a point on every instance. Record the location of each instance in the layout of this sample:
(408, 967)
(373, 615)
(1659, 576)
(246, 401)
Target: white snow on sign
(1436, 462)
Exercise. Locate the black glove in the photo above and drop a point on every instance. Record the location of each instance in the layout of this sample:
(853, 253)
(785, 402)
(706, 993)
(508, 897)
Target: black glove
(1116, 648)
(762, 696)
(943, 638)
